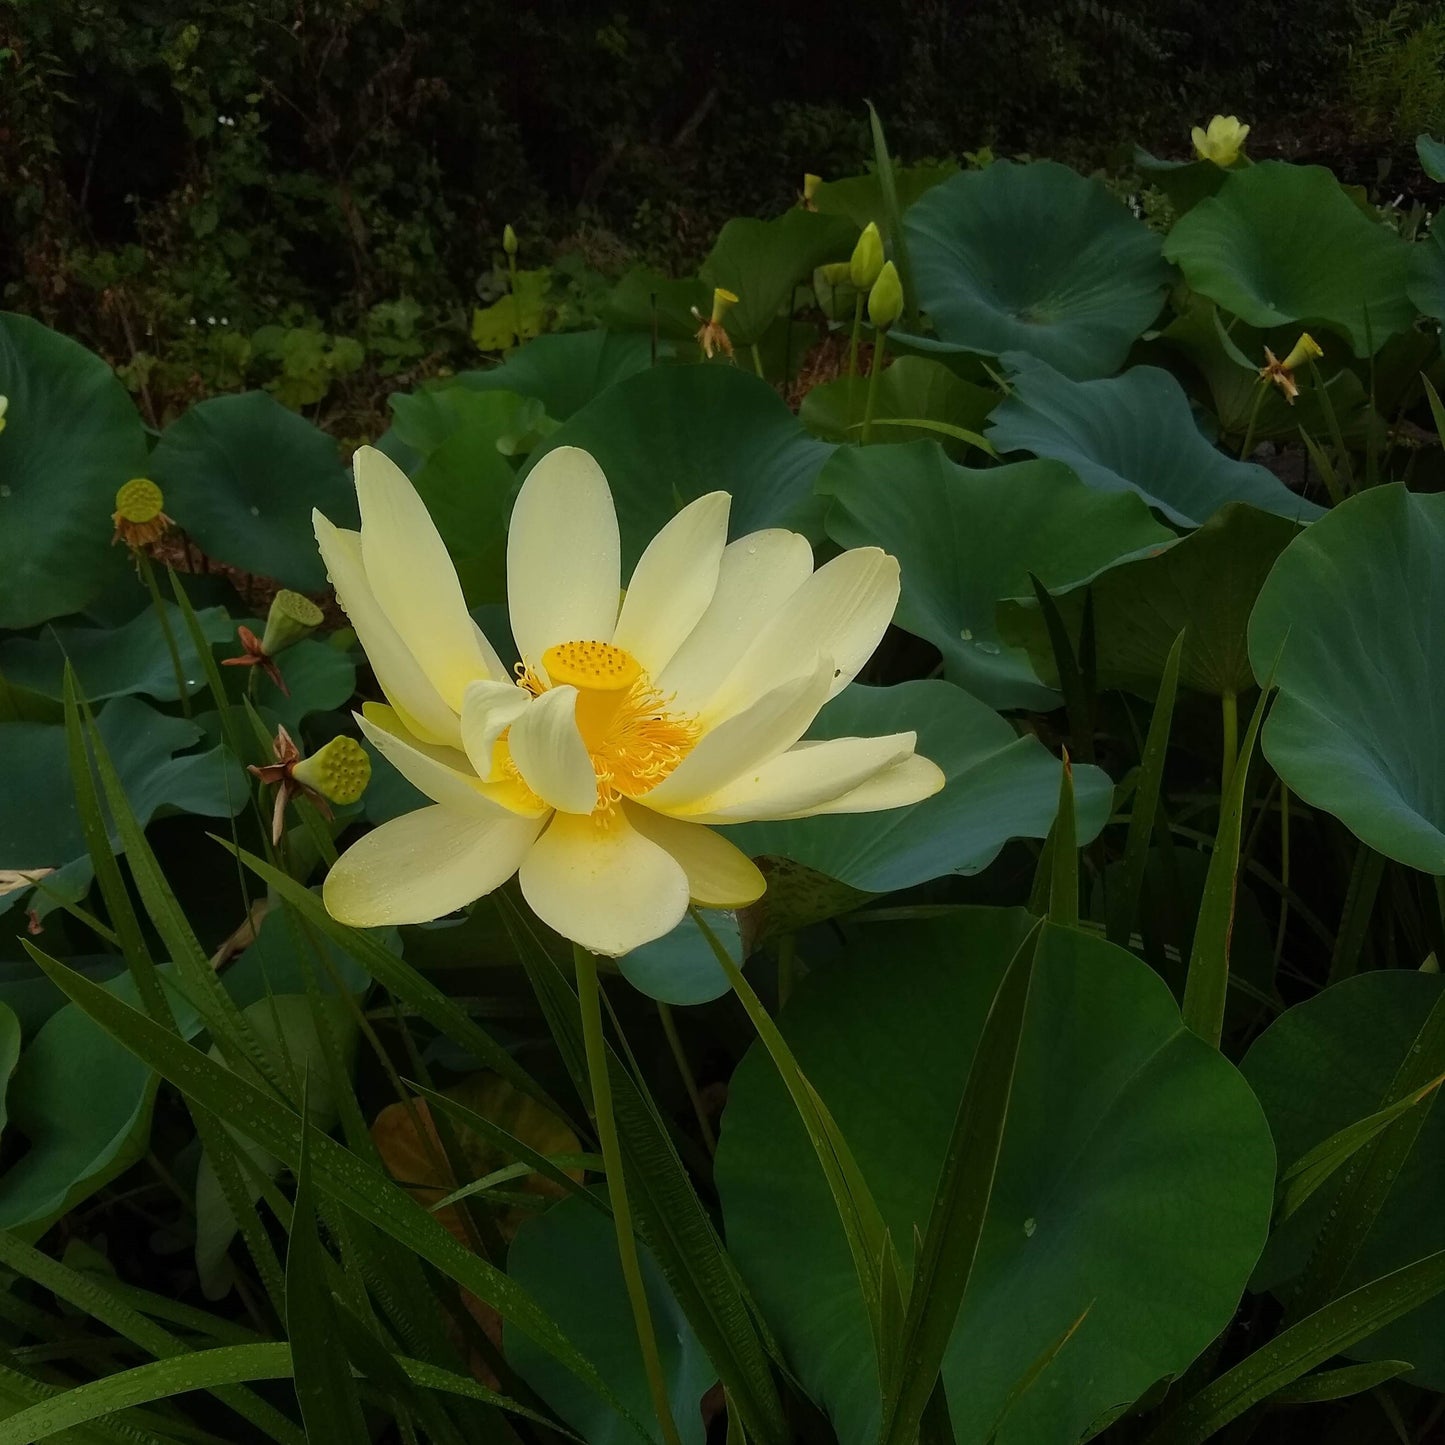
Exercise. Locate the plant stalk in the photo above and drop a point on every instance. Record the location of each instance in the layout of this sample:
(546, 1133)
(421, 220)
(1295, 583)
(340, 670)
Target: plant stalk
(857, 327)
(1229, 709)
(590, 996)
(1248, 445)
(148, 576)
(689, 1082)
(880, 345)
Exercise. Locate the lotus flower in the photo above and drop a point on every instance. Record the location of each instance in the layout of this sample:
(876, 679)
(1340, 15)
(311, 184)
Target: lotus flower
(633, 722)
(1222, 142)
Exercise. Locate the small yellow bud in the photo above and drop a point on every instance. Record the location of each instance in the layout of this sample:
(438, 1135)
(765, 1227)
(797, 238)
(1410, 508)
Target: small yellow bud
(339, 772)
(885, 300)
(139, 516)
(810, 190)
(4, 407)
(291, 618)
(509, 240)
(722, 302)
(1304, 349)
(867, 261)
(1222, 142)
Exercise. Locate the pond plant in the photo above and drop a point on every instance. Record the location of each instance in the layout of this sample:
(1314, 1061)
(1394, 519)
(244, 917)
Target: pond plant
(950, 952)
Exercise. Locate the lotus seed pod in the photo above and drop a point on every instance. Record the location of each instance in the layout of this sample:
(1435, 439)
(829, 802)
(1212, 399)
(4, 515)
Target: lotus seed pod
(1303, 350)
(291, 618)
(866, 264)
(339, 772)
(139, 516)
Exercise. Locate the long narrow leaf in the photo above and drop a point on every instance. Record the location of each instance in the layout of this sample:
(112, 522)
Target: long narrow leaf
(1064, 885)
(1124, 904)
(960, 1200)
(893, 216)
(338, 1173)
(1340, 1384)
(1207, 983)
(1300, 1348)
(1071, 677)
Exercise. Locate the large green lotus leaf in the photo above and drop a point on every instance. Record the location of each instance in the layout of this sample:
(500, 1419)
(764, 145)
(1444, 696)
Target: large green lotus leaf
(675, 433)
(71, 439)
(1185, 183)
(567, 1260)
(114, 661)
(1000, 785)
(32, 996)
(762, 262)
(1133, 433)
(1427, 274)
(646, 302)
(1431, 153)
(1352, 612)
(1035, 258)
(83, 1102)
(320, 677)
(1205, 587)
(680, 967)
(9, 1056)
(565, 371)
(1234, 389)
(912, 388)
(38, 823)
(241, 475)
(1320, 1066)
(1283, 244)
(967, 540)
(424, 420)
(860, 198)
(1134, 1185)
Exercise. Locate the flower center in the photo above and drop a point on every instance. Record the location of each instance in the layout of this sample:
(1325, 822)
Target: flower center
(632, 738)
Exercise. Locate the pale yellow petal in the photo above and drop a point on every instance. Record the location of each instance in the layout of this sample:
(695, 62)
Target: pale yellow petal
(399, 673)
(841, 611)
(564, 557)
(673, 582)
(744, 741)
(757, 575)
(413, 578)
(602, 884)
(443, 774)
(719, 874)
(488, 710)
(550, 754)
(795, 783)
(424, 865)
(906, 782)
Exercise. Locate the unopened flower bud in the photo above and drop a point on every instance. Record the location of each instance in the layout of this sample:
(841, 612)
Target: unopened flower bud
(810, 190)
(885, 300)
(291, 618)
(836, 273)
(867, 261)
(509, 240)
(339, 772)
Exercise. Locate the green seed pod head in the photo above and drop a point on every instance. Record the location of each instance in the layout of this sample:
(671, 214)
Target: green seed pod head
(139, 501)
(291, 618)
(339, 772)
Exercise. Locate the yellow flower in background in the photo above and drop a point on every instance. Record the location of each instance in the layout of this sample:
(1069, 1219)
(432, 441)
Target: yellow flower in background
(712, 335)
(810, 190)
(1281, 373)
(1222, 142)
(630, 727)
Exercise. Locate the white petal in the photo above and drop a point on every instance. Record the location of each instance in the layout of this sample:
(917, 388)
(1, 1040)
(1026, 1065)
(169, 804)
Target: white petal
(602, 884)
(550, 754)
(906, 782)
(719, 874)
(841, 612)
(673, 582)
(488, 710)
(564, 558)
(496, 668)
(413, 577)
(424, 865)
(399, 673)
(795, 783)
(757, 575)
(745, 741)
(443, 774)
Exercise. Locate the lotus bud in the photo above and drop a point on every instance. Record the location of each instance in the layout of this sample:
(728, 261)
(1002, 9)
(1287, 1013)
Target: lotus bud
(139, 514)
(4, 407)
(810, 190)
(291, 618)
(885, 300)
(509, 240)
(1222, 142)
(836, 273)
(867, 261)
(339, 772)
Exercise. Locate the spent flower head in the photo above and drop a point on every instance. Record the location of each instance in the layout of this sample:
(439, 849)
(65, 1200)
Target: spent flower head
(712, 335)
(1281, 373)
(139, 515)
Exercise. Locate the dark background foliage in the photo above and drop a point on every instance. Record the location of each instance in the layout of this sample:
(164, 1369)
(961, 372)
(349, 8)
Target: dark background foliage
(298, 193)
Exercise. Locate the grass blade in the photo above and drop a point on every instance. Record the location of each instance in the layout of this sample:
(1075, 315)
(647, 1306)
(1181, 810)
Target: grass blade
(1207, 983)
(1064, 884)
(893, 216)
(943, 428)
(960, 1200)
(1124, 905)
(1300, 1348)
(1071, 677)
(1341, 1383)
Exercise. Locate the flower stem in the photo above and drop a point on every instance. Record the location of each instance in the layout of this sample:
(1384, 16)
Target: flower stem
(857, 327)
(679, 1057)
(1229, 709)
(880, 345)
(590, 996)
(1248, 446)
(757, 360)
(148, 576)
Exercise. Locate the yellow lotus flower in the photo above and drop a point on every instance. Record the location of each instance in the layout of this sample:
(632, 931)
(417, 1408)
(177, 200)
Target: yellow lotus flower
(630, 727)
(1222, 142)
